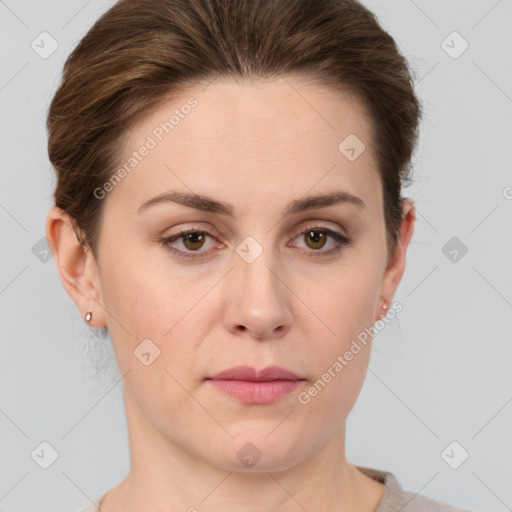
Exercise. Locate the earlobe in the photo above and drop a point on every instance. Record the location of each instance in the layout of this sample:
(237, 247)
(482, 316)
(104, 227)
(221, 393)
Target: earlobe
(396, 266)
(76, 266)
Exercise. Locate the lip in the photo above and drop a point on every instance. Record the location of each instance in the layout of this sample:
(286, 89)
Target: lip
(249, 373)
(253, 386)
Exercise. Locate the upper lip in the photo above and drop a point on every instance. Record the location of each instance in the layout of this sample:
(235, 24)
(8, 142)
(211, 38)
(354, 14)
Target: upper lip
(252, 374)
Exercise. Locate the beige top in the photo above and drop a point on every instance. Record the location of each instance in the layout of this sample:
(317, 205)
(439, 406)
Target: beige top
(394, 498)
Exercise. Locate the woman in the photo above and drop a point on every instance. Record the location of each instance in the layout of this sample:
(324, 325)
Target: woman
(229, 208)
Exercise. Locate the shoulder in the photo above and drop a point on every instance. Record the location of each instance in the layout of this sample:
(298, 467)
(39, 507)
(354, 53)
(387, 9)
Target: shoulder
(94, 506)
(395, 499)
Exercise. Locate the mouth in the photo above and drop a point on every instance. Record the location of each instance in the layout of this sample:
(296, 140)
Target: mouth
(256, 386)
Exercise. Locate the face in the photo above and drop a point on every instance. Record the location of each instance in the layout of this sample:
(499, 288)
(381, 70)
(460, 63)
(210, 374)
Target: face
(264, 276)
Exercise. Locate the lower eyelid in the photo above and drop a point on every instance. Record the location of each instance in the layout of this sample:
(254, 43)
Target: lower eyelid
(340, 239)
(173, 238)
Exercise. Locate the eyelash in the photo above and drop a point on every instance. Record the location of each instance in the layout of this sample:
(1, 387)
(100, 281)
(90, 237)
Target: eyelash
(342, 241)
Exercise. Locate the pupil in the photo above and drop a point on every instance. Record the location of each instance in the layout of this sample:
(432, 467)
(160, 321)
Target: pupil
(193, 238)
(316, 237)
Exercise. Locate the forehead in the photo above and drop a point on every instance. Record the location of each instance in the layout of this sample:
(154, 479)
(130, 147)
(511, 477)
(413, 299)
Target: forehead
(286, 134)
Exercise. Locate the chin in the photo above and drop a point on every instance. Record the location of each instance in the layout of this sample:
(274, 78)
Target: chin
(256, 451)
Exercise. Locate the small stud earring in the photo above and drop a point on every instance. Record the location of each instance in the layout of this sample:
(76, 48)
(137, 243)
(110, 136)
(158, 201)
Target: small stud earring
(88, 316)
(384, 307)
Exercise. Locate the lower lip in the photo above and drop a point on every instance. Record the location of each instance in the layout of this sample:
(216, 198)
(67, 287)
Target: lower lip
(252, 392)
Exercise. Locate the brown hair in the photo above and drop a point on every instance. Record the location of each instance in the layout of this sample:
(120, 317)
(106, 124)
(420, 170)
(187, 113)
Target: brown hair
(141, 52)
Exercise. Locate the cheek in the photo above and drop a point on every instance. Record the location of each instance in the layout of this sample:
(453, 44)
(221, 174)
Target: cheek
(160, 398)
(339, 372)
(151, 324)
(344, 305)
(145, 298)
(148, 302)
(344, 315)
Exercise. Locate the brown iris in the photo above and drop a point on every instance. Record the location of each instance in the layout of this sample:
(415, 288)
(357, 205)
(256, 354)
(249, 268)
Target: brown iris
(317, 237)
(193, 240)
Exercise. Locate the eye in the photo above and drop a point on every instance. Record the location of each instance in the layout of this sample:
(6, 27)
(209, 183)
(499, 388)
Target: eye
(193, 240)
(316, 238)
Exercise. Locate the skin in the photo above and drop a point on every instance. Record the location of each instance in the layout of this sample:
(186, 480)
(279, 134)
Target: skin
(259, 146)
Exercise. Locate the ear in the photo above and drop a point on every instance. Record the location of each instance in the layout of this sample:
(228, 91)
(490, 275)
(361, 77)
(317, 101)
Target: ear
(76, 266)
(396, 266)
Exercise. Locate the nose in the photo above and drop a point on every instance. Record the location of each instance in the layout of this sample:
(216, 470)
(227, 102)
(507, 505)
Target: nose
(258, 300)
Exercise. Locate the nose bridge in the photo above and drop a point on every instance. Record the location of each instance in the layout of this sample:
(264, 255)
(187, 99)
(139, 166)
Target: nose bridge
(259, 300)
(257, 275)
(256, 262)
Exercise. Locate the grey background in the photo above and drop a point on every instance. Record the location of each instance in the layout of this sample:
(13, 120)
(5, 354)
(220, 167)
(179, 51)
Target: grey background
(439, 373)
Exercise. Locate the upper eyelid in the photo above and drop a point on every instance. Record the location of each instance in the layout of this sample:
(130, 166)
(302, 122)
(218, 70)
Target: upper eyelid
(340, 239)
(301, 231)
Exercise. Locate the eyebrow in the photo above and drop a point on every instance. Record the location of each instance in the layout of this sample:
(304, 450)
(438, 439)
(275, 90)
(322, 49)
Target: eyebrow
(207, 204)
